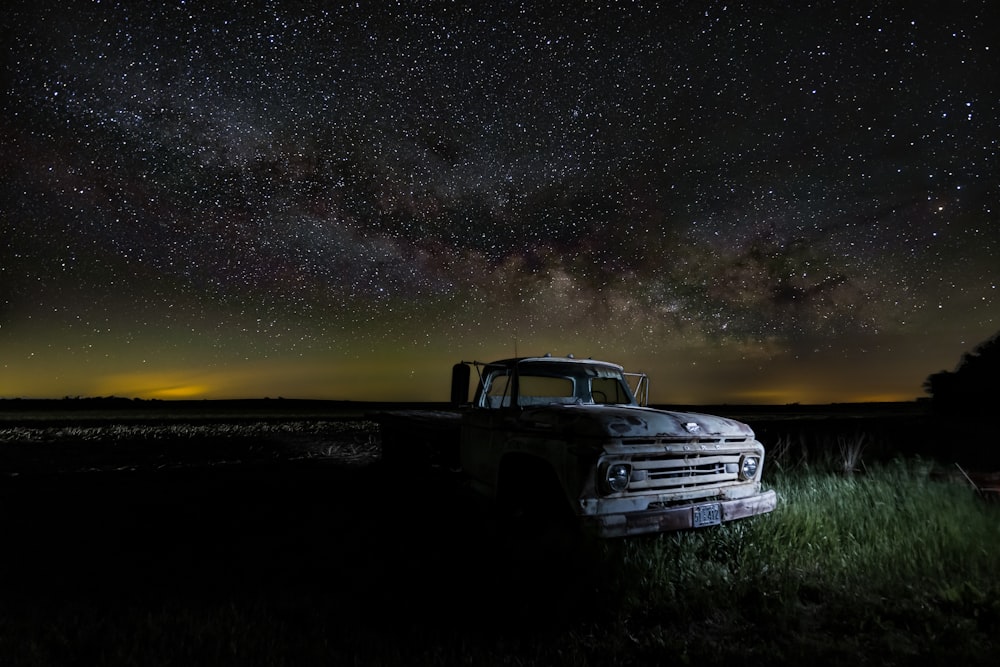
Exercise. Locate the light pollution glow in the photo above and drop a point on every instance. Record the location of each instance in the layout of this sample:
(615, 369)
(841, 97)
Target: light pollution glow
(424, 375)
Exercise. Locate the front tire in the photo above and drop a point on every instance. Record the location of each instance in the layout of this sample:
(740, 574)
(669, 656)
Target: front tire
(534, 516)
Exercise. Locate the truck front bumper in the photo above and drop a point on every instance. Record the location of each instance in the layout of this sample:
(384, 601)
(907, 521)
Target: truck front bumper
(677, 517)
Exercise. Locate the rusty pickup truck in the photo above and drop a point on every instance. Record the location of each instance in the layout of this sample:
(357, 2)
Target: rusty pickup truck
(546, 436)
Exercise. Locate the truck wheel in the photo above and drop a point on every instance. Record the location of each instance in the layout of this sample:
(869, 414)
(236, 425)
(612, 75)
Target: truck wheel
(534, 517)
(539, 547)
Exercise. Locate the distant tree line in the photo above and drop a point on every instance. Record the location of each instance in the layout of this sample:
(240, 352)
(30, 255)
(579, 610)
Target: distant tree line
(75, 403)
(974, 385)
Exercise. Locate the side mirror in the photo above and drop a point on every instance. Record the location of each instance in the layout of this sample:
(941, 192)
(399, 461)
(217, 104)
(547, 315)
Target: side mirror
(460, 375)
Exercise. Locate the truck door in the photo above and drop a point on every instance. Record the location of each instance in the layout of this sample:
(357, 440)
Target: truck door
(486, 429)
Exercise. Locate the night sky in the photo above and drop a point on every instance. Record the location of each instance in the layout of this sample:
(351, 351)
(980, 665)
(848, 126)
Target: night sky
(760, 204)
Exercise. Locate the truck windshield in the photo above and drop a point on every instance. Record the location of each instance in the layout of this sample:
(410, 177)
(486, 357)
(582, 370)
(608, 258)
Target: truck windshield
(546, 389)
(550, 383)
(533, 389)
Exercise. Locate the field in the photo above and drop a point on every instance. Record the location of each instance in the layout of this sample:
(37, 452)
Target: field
(269, 535)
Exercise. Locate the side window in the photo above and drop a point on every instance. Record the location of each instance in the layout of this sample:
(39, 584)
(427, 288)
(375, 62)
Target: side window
(609, 391)
(498, 393)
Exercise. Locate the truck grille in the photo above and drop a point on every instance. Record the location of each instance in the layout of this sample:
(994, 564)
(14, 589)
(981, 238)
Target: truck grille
(672, 471)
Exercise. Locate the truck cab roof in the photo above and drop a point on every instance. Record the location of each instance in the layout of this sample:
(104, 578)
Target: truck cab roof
(509, 363)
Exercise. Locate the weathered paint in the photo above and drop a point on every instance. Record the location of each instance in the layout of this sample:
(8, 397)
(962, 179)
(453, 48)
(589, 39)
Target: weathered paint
(679, 517)
(624, 421)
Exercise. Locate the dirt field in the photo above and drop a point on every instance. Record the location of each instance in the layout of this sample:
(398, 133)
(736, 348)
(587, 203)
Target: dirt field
(162, 513)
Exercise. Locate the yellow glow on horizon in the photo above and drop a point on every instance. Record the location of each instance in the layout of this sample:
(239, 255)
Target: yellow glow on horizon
(153, 385)
(799, 395)
(185, 391)
(399, 379)
(404, 374)
(882, 398)
(362, 379)
(769, 396)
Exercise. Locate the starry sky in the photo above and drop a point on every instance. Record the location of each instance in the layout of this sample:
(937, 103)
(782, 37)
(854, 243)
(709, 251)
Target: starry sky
(770, 203)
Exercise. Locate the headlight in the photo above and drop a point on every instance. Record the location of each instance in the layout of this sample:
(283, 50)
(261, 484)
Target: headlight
(748, 469)
(616, 476)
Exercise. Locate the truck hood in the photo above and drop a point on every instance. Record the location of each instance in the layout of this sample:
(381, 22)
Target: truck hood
(624, 421)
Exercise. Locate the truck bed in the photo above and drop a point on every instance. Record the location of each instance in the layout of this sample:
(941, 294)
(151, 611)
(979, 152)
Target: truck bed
(422, 437)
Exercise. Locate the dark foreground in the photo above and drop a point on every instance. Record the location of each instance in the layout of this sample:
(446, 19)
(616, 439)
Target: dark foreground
(282, 541)
(266, 559)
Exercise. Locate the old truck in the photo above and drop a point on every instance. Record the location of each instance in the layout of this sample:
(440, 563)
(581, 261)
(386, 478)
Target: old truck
(560, 436)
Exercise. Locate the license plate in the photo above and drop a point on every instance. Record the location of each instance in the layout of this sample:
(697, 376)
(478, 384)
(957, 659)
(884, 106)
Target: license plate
(707, 515)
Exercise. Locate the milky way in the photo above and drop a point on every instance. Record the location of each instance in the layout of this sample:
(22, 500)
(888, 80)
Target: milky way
(339, 201)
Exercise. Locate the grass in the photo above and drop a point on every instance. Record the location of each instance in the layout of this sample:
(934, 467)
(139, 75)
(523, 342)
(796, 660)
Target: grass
(889, 563)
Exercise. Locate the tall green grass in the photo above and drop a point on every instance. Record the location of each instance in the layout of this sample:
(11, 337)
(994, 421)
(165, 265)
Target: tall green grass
(881, 529)
(889, 560)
